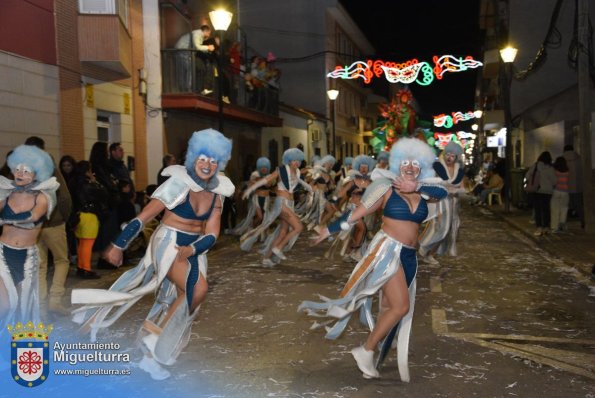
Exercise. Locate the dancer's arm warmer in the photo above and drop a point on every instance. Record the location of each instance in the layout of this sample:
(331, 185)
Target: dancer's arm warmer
(431, 191)
(340, 224)
(22, 220)
(129, 232)
(203, 243)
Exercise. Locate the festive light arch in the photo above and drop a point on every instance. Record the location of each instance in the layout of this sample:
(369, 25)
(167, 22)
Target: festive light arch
(447, 121)
(407, 72)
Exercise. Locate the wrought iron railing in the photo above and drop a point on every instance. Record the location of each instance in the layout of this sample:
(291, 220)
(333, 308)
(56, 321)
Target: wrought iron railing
(192, 72)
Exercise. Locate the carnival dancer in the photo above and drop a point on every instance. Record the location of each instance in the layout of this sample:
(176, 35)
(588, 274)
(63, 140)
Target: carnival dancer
(25, 204)
(303, 202)
(175, 263)
(259, 201)
(440, 234)
(321, 210)
(390, 263)
(289, 228)
(382, 160)
(352, 242)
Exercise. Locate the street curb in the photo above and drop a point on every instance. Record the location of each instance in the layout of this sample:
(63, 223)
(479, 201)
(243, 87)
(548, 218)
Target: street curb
(584, 269)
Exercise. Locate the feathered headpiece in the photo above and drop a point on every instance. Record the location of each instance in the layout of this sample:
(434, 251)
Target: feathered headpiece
(363, 159)
(211, 143)
(33, 157)
(263, 162)
(412, 149)
(292, 154)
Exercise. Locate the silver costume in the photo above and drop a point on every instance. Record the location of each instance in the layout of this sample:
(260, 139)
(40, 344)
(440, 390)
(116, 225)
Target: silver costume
(19, 266)
(165, 343)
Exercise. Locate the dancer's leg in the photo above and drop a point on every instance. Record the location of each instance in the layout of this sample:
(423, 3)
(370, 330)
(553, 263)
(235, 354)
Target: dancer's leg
(294, 223)
(395, 304)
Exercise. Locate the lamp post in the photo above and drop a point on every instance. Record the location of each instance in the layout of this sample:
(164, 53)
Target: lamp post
(220, 20)
(507, 54)
(332, 95)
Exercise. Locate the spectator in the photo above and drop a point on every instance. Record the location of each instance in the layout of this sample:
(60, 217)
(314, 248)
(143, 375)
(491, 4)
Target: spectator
(67, 168)
(494, 184)
(560, 197)
(53, 238)
(108, 228)
(168, 160)
(575, 182)
(116, 163)
(195, 40)
(90, 200)
(545, 181)
(67, 165)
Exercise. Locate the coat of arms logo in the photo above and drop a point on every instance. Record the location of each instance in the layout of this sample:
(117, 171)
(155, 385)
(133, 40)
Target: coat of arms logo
(30, 353)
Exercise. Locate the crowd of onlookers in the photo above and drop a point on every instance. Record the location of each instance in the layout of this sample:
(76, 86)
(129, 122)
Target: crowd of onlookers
(553, 187)
(95, 197)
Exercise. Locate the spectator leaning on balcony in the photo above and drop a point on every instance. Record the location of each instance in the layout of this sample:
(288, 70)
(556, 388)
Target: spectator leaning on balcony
(194, 41)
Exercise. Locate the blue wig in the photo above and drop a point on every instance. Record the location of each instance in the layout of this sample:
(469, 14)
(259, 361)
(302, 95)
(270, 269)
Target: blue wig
(33, 157)
(210, 143)
(383, 155)
(314, 160)
(363, 159)
(327, 159)
(263, 162)
(292, 154)
(454, 148)
(348, 161)
(412, 149)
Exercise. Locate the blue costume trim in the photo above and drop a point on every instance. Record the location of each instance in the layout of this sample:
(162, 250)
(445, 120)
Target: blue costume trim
(284, 177)
(186, 211)
(203, 243)
(442, 173)
(336, 226)
(15, 260)
(432, 191)
(8, 215)
(130, 231)
(200, 246)
(397, 209)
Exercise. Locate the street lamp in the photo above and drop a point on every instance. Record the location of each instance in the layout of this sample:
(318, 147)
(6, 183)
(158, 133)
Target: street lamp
(220, 19)
(332, 95)
(507, 54)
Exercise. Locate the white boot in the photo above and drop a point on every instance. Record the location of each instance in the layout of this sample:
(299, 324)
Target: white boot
(150, 365)
(365, 362)
(277, 252)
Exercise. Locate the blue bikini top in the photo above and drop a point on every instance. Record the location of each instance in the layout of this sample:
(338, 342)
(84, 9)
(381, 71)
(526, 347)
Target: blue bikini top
(186, 211)
(397, 208)
(8, 213)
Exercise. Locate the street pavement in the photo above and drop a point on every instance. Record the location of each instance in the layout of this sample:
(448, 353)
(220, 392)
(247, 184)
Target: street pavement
(506, 318)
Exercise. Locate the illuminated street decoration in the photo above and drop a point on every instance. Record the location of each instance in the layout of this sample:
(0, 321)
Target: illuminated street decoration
(449, 63)
(447, 121)
(408, 72)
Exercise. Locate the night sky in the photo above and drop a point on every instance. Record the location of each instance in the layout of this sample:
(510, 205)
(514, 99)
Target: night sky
(402, 30)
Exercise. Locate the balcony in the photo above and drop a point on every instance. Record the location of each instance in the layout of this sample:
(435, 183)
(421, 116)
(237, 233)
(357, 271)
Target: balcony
(190, 83)
(104, 42)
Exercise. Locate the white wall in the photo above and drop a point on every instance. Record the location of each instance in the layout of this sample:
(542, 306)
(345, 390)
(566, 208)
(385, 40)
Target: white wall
(28, 103)
(109, 98)
(155, 139)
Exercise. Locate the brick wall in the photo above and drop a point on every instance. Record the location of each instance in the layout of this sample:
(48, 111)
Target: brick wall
(71, 102)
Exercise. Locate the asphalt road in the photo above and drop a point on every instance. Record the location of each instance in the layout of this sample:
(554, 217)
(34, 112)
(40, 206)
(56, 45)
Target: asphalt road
(502, 319)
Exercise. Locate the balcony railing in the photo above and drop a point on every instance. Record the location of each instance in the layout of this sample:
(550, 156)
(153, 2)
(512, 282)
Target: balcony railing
(193, 72)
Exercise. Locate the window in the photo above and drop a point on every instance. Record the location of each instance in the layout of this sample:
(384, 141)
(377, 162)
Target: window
(112, 7)
(103, 128)
(285, 143)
